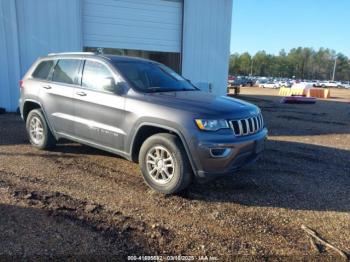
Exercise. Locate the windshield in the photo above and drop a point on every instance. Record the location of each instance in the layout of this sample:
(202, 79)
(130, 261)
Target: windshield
(152, 77)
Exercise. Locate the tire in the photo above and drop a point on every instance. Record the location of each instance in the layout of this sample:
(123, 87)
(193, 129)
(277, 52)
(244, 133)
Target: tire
(171, 147)
(44, 141)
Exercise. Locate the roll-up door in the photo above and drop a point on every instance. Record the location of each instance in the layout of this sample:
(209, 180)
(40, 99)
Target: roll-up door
(150, 25)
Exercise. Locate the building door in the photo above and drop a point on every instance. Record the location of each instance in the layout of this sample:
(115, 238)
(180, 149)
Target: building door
(150, 29)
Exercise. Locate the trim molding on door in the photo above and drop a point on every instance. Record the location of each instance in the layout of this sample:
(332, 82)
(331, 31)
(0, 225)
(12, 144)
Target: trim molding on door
(90, 123)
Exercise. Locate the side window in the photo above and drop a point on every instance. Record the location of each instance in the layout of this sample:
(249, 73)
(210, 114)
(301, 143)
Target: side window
(96, 76)
(43, 69)
(66, 71)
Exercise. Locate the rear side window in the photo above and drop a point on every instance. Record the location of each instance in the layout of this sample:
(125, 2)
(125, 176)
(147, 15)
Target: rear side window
(42, 71)
(66, 71)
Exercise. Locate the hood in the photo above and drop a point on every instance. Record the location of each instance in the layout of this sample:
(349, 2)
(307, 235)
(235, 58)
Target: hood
(203, 103)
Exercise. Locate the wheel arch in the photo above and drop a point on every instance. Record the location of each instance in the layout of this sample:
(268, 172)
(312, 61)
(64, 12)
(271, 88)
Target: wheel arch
(145, 130)
(30, 105)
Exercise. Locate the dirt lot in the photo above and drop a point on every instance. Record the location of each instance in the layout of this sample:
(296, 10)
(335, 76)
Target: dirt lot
(76, 200)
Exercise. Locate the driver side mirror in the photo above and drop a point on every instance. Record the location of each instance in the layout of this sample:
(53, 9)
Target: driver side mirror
(110, 85)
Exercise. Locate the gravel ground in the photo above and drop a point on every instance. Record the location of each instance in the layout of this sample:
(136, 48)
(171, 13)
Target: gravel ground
(79, 201)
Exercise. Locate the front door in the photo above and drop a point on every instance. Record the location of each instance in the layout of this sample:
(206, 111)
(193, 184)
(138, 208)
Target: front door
(99, 111)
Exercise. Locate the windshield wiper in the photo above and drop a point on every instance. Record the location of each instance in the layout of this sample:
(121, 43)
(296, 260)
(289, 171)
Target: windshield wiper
(187, 89)
(163, 89)
(158, 89)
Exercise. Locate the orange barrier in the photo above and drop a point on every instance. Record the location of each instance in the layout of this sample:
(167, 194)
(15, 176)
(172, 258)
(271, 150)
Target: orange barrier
(286, 91)
(319, 92)
(311, 92)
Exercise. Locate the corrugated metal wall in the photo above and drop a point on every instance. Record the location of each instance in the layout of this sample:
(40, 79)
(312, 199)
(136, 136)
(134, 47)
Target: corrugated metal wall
(29, 29)
(206, 42)
(46, 26)
(152, 25)
(9, 56)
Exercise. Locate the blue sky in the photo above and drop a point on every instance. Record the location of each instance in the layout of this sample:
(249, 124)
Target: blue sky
(275, 24)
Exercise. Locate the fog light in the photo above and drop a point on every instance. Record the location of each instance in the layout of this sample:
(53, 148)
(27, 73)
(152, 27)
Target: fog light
(219, 152)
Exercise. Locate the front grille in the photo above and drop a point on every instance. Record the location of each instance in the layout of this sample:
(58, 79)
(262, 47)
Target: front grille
(247, 126)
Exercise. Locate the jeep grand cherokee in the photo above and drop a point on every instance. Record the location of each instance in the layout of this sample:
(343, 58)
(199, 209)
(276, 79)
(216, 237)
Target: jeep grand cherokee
(143, 111)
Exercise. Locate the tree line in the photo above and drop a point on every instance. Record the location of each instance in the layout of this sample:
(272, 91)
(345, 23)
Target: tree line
(301, 63)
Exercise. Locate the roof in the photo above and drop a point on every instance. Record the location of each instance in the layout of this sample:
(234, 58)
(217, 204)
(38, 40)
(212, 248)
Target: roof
(116, 58)
(119, 58)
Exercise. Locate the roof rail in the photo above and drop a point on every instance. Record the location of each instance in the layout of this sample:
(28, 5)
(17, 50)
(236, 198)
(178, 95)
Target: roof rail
(72, 53)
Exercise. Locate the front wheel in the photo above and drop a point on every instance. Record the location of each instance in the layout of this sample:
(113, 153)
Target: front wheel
(164, 163)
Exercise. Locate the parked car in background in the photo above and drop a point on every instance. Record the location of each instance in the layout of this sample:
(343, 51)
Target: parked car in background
(302, 85)
(284, 84)
(317, 83)
(345, 85)
(242, 81)
(277, 82)
(250, 81)
(235, 81)
(331, 84)
(143, 111)
(261, 80)
(269, 84)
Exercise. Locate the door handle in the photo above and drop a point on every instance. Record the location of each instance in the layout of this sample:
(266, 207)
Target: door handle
(81, 93)
(47, 87)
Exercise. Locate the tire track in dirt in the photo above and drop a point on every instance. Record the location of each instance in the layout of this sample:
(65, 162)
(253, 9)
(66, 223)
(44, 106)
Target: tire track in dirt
(120, 229)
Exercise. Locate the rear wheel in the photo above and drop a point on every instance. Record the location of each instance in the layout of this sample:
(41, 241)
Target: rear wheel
(38, 131)
(164, 164)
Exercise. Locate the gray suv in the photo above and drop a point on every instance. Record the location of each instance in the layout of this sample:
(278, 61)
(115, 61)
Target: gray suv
(142, 111)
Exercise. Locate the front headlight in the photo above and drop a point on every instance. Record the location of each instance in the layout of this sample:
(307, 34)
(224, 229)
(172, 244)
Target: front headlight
(211, 124)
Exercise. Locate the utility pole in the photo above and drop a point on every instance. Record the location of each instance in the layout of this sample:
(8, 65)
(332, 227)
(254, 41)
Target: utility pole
(334, 68)
(251, 67)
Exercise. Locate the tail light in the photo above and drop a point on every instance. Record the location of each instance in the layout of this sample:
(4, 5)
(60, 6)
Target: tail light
(20, 83)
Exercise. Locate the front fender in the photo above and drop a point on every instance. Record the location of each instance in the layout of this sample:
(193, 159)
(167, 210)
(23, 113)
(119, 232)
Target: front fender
(167, 125)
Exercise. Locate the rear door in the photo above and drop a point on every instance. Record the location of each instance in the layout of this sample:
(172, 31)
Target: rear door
(57, 94)
(99, 111)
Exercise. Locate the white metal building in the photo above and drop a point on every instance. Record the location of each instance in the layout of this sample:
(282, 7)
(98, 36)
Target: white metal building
(191, 36)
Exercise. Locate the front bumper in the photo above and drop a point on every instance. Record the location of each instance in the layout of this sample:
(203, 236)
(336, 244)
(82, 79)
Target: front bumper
(235, 154)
